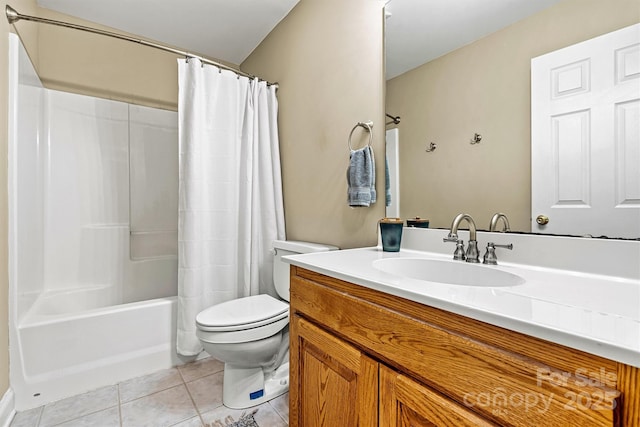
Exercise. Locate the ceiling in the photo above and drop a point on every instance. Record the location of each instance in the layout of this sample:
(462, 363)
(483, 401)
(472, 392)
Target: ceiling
(417, 31)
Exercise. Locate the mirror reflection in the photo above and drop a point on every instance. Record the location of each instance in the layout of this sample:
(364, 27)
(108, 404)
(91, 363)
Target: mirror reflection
(470, 98)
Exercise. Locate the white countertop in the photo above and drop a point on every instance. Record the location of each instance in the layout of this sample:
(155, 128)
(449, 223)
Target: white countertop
(599, 314)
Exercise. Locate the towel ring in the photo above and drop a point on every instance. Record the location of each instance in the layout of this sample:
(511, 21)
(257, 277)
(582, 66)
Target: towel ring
(368, 126)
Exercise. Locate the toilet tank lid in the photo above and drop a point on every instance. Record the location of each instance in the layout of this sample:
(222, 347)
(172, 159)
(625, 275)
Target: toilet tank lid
(302, 247)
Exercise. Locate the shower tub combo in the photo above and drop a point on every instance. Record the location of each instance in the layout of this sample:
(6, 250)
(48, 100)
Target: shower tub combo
(92, 239)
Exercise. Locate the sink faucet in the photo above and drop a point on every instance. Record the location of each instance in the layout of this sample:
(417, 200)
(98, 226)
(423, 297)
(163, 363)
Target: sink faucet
(471, 254)
(494, 222)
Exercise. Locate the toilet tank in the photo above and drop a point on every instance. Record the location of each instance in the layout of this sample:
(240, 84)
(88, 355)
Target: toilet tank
(281, 268)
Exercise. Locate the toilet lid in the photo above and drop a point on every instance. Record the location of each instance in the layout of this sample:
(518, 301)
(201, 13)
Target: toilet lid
(242, 313)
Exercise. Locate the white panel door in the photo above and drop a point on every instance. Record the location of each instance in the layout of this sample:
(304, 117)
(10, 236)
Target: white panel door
(585, 137)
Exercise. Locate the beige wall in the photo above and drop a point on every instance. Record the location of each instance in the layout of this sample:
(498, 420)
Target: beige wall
(100, 66)
(484, 88)
(327, 56)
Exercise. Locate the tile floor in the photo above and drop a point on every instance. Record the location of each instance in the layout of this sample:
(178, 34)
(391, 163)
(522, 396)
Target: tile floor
(186, 396)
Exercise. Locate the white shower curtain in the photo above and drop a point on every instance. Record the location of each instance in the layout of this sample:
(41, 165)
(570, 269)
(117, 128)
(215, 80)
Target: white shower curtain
(230, 195)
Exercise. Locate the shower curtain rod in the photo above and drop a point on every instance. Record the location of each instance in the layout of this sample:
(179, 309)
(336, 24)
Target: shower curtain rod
(13, 16)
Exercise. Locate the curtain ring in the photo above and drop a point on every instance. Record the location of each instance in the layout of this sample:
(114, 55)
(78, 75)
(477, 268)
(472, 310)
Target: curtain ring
(368, 126)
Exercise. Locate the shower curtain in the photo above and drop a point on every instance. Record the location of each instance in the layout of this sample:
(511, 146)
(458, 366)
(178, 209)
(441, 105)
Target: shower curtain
(230, 191)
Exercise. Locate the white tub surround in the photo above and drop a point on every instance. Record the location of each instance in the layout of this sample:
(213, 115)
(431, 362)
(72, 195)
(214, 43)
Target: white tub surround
(578, 292)
(92, 265)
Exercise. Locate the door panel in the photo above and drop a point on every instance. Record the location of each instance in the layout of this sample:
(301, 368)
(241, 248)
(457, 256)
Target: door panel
(585, 137)
(337, 384)
(406, 403)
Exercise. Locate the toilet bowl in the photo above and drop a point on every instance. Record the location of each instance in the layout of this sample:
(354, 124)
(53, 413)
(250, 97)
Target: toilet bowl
(251, 336)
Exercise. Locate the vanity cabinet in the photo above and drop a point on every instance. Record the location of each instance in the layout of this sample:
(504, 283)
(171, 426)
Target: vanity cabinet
(360, 357)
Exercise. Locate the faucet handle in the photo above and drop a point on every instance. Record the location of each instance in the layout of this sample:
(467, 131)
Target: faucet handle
(490, 257)
(451, 237)
(459, 254)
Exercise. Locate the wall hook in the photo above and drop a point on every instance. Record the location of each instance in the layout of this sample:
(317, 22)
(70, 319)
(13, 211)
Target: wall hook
(476, 139)
(431, 147)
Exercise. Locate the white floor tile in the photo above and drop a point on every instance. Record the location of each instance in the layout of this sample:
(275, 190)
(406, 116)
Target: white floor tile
(143, 386)
(105, 418)
(200, 368)
(77, 406)
(164, 408)
(281, 405)
(206, 392)
(268, 417)
(169, 398)
(29, 418)
(191, 422)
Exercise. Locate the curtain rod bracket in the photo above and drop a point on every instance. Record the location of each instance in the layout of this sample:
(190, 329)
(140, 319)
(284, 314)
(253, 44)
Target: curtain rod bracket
(12, 15)
(394, 119)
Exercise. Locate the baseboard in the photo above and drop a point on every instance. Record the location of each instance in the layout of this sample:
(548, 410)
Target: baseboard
(7, 408)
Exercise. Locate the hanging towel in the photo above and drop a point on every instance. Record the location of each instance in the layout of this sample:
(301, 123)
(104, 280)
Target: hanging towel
(361, 178)
(387, 183)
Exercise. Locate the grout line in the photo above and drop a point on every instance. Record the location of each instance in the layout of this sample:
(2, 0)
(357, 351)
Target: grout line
(155, 392)
(181, 376)
(40, 415)
(193, 402)
(119, 404)
(277, 411)
(83, 415)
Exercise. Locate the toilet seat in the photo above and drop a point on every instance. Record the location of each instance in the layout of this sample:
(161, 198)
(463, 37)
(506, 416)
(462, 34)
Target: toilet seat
(244, 335)
(242, 313)
(242, 320)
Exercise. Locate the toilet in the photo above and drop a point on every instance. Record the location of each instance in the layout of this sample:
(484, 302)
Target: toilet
(251, 336)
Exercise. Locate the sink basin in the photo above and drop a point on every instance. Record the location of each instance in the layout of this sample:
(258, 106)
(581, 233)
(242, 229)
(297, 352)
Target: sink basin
(449, 272)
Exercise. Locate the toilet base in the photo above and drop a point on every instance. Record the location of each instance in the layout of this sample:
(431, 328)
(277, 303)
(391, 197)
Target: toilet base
(246, 387)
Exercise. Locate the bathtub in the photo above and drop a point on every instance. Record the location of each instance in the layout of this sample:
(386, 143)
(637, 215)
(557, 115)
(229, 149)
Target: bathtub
(61, 355)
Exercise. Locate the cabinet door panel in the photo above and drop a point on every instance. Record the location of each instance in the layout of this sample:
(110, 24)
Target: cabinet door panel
(336, 384)
(406, 403)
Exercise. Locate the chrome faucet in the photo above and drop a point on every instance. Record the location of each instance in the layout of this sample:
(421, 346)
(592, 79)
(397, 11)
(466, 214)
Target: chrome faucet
(494, 222)
(471, 254)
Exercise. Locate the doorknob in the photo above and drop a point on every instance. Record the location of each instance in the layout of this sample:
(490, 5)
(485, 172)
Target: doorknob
(542, 220)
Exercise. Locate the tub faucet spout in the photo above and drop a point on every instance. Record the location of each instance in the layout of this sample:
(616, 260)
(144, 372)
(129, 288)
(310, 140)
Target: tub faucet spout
(472, 254)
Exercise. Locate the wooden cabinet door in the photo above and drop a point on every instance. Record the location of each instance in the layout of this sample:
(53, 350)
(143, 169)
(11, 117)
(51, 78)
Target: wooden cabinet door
(332, 382)
(406, 403)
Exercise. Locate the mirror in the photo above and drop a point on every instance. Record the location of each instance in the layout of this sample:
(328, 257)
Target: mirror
(469, 94)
